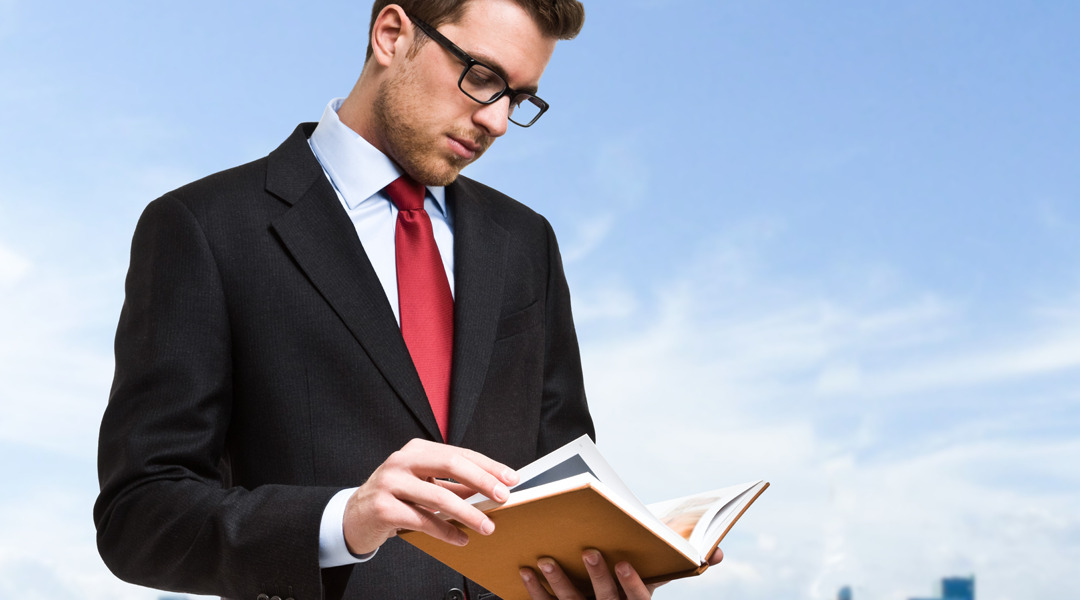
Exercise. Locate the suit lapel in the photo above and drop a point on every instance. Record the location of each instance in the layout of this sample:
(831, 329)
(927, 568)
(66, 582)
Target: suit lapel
(318, 234)
(480, 247)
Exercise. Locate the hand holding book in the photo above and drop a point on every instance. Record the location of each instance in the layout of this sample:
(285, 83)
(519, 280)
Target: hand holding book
(411, 487)
(600, 577)
(571, 501)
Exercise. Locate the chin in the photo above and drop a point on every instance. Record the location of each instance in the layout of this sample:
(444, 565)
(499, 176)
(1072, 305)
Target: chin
(440, 175)
(436, 178)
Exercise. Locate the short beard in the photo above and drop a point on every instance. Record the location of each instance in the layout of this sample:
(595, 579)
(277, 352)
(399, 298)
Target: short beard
(394, 109)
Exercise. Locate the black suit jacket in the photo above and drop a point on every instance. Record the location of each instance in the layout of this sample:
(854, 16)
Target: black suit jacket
(259, 370)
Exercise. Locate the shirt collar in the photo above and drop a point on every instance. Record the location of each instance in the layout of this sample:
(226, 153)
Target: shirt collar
(358, 170)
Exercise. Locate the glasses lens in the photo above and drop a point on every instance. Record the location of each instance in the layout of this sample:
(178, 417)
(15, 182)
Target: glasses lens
(482, 84)
(486, 86)
(526, 109)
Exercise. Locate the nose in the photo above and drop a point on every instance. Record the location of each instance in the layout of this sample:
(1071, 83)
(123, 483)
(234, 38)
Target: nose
(493, 118)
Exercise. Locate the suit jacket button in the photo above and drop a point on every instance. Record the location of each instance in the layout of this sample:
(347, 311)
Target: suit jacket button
(275, 598)
(454, 594)
(263, 597)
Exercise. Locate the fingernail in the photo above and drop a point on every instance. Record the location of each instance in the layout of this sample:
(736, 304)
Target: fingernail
(487, 527)
(546, 566)
(592, 557)
(501, 492)
(462, 539)
(510, 476)
(526, 575)
(624, 570)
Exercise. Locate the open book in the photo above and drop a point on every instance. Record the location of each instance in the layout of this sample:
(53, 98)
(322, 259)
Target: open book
(571, 500)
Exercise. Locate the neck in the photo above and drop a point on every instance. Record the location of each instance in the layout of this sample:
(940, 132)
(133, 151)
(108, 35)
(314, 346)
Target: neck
(355, 111)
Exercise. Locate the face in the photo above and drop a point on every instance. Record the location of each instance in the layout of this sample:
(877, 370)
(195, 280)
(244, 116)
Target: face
(428, 126)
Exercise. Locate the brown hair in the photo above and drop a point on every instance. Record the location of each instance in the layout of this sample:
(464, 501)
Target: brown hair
(560, 19)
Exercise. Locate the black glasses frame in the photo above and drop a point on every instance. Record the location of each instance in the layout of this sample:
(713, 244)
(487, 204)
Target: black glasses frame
(469, 63)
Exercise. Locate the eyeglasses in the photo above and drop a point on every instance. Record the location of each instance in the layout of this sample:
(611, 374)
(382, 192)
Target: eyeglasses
(481, 83)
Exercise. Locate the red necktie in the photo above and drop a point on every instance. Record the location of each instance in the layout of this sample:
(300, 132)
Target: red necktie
(424, 299)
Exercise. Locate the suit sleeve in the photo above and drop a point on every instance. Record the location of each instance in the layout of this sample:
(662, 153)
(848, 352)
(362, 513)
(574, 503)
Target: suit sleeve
(564, 411)
(167, 516)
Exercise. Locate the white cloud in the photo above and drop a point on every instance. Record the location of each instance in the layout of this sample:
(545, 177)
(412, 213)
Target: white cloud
(58, 309)
(588, 234)
(889, 527)
(47, 547)
(33, 580)
(1051, 354)
(55, 368)
(611, 301)
(896, 455)
(12, 266)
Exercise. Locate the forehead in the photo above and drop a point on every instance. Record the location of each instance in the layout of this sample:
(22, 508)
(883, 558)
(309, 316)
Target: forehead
(503, 35)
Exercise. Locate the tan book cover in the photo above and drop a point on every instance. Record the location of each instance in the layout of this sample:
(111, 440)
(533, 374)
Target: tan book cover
(571, 500)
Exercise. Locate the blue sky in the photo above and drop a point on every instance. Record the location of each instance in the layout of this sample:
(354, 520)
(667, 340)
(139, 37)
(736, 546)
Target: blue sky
(833, 244)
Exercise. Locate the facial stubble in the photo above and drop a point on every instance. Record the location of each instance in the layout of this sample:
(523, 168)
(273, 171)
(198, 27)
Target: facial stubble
(397, 110)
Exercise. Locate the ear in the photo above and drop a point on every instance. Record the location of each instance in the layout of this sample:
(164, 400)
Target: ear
(391, 35)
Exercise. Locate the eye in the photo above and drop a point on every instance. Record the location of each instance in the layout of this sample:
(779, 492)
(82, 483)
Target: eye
(483, 77)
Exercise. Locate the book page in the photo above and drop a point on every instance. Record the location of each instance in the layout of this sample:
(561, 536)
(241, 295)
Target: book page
(577, 457)
(704, 518)
(575, 465)
(571, 499)
(683, 514)
(706, 535)
(562, 518)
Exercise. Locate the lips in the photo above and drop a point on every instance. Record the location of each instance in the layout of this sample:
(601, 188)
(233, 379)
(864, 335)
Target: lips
(464, 148)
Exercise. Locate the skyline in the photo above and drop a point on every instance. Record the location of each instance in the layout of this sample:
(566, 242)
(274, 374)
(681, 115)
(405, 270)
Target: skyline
(830, 246)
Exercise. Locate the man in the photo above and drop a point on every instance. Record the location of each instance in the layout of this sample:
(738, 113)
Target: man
(288, 329)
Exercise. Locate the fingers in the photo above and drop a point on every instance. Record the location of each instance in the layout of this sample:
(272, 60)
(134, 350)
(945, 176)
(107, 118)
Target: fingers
(505, 474)
(377, 511)
(459, 490)
(532, 585)
(417, 518)
(433, 497)
(408, 489)
(605, 586)
(422, 499)
(563, 587)
(475, 471)
(717, 556)
(631, 582)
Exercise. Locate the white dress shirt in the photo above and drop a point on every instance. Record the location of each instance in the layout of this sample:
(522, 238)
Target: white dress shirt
(359, 172)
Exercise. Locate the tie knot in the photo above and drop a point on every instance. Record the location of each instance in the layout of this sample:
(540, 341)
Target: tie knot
(406, 193)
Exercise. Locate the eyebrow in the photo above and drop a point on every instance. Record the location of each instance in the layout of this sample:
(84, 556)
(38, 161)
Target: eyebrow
(486, 60)
(493, 64)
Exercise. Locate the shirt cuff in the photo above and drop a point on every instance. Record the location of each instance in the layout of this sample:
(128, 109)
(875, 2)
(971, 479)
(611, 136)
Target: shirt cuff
(333, 552)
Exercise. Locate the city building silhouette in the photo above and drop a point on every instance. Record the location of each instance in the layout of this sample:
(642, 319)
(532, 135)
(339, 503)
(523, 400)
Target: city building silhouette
(955, 588)
(958, 588)
(952, 588)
